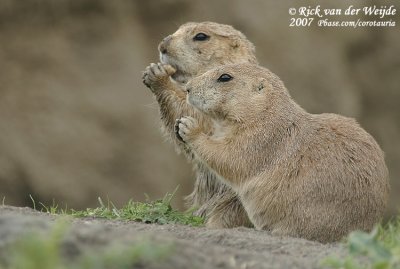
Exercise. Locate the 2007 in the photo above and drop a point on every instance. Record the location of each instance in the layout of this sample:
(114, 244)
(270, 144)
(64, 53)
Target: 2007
(300, 21)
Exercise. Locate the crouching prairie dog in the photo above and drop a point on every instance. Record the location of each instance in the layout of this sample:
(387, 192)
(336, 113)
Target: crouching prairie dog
(297, 174)
(193, 49)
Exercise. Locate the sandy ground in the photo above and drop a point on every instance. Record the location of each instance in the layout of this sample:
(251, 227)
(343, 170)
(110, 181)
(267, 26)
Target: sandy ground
(190, 247)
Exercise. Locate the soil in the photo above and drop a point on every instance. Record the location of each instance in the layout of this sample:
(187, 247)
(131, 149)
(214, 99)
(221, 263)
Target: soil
(191, 247)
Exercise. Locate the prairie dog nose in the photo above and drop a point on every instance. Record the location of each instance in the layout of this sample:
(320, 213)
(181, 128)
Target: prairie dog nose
(164, 44)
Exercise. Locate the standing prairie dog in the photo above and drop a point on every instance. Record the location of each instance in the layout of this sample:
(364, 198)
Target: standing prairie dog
(193, 49)
(297, 174)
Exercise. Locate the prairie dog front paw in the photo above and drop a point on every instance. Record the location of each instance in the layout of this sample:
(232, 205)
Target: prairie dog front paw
(157, 75)
(186, 128)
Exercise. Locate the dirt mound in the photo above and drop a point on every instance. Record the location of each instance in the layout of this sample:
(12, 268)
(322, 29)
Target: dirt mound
(190, 247)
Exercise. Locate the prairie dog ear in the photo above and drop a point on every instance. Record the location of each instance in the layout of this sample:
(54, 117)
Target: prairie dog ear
(235, 43)
(261, 84)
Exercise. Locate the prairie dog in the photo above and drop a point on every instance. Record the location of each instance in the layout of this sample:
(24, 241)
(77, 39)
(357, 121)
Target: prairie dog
(297, 174)
(191, 50)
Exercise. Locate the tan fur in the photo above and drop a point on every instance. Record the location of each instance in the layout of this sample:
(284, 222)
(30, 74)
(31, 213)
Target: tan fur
(297, 174)
(181, 59)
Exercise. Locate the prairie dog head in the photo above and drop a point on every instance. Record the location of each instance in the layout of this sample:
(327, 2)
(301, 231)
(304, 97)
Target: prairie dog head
(197, 47)
(237, 92)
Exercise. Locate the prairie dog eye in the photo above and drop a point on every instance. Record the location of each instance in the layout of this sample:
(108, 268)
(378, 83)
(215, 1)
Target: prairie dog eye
(201, 37)
(225, 78)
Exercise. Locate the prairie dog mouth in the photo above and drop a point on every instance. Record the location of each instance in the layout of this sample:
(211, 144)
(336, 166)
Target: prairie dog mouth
(197, 102)
(179, 76)
(164, 59)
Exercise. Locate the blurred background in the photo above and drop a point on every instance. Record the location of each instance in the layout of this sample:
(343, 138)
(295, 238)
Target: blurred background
(76, 122)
